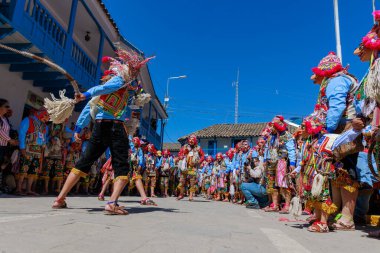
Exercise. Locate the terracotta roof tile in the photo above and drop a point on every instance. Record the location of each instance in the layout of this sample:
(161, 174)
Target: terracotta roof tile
(231, 130)
(172, 146)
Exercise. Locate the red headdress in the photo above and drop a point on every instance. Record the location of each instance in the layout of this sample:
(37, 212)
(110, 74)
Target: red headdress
(313, 126)
(279, 124)
(192, 139)
(372, 40)
(41, 113)
(219, 156)
(136, 140)
(210, 159)
(166, 152)
(328, 66)
(127, 63)
(150, 148)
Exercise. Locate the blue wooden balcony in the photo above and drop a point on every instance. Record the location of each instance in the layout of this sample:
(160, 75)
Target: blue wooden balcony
(149, 133)
(34, 22)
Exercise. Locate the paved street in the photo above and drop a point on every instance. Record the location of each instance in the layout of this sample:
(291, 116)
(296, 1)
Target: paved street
(29, 225)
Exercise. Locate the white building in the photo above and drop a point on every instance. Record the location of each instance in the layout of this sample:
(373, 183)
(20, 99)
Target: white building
(75, 34)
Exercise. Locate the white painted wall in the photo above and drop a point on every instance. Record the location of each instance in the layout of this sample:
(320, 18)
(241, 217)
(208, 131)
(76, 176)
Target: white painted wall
(15, 90)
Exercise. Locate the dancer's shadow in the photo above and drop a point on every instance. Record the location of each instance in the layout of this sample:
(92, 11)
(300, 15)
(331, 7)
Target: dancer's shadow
(299, 225)
(200, 201)
(131, 210)
(128, 201)
(135, 210)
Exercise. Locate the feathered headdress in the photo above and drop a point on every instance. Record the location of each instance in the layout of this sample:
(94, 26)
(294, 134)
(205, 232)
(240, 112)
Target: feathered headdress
(127, 63)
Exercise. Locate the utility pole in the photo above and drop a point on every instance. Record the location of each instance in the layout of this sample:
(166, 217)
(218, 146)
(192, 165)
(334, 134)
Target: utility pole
(237, 98)
(374, 9)
(337, 31)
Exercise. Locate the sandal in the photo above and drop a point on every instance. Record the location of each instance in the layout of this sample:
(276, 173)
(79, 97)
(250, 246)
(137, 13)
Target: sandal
(59, 203)
(284, 210)
(112, 208)
(340, 226)
(101, 197)
(147, 202)
(318, 227)
(271, 208)
(180, 197)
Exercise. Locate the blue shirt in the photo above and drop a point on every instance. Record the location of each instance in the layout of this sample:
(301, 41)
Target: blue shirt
(229, 165)
(139, 154)
(336, 91)
(24, 126)
(363, 171)
(112, 85)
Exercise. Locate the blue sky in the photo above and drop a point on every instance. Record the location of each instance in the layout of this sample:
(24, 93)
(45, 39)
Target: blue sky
(273, 43)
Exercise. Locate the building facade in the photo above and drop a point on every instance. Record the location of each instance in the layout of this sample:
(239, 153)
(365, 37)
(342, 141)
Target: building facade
(74, 34)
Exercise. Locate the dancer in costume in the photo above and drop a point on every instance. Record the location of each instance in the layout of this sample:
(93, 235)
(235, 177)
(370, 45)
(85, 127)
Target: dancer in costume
(53, 164)
(236, 196)
(150, 173)
(33, 137)
(220, 167)
(108, 177)
(165, 166)
(229, 168)
(207, 169)
(335, 113)
(137, 161)
(108, 129)
(194, 156)
(282, 154)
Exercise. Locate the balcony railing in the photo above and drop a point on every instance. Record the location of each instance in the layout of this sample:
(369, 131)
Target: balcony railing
(40, 27)
(151, 135)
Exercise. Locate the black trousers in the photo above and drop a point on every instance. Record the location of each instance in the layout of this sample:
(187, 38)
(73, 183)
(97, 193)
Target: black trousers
(107, 134)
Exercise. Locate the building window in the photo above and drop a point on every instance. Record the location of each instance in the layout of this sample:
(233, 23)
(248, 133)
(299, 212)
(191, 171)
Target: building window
(211, 148)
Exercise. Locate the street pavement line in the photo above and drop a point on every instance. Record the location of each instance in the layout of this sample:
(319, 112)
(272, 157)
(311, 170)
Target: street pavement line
(254, 214)
(31, 216)
(282, 242)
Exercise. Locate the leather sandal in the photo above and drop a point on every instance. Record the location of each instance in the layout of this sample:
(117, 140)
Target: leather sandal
(147, 202)
(101, 197)
(318, 227)
(112, 208)
(340, 226)
(180, 197)
(272, 208)
(59, 203)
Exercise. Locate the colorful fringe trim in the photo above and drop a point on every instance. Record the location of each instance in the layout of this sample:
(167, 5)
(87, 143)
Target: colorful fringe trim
(78, 172)
(126, 178)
